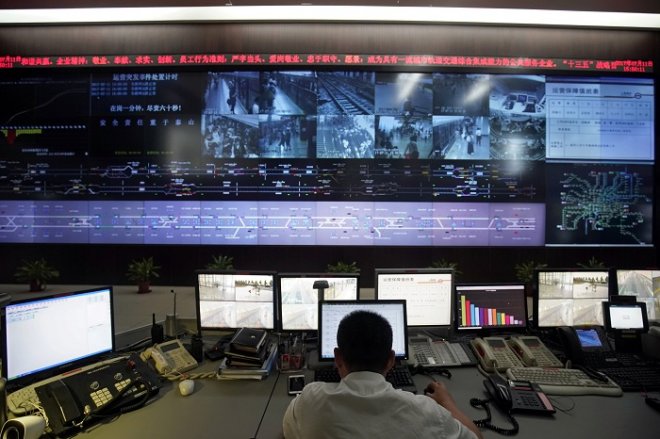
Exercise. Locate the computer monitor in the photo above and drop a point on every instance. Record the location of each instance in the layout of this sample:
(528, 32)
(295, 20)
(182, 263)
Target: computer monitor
(643, 284)
(570, 297)
(427, 292)
(49, 335)
(331, 313)
(228, 300)
(491, 306)
(625, 316)
(298, 298)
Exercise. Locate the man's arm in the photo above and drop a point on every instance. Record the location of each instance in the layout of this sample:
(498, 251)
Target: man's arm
(438, 392)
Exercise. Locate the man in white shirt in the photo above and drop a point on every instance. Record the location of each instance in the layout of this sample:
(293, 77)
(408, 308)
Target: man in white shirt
(364, 404)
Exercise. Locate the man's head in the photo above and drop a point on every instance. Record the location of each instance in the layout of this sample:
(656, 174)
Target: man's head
(364, 343)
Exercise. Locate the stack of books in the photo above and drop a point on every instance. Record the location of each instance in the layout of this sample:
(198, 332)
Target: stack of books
(250, 356)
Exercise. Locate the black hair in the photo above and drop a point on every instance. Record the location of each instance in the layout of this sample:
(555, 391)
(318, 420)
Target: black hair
(365, 341)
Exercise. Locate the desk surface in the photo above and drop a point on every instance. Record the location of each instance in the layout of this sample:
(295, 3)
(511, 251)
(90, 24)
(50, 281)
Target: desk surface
(254, 409)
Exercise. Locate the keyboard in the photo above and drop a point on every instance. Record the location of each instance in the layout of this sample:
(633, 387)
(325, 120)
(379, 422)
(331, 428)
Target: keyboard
(633, 378)
(25, 400)
(400, 377)
(564, 381)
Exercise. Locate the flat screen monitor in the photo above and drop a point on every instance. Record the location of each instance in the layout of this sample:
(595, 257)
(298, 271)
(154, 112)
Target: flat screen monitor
(491, 306)
(331, 313)
(643, 284)
(232, 299)
(298, 299)
(427, 293)
(570, 297)
(625, 316)
(53, 334)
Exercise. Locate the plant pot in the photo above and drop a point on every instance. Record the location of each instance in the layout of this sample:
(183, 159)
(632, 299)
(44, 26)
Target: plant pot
(144, 287)
(36, 286)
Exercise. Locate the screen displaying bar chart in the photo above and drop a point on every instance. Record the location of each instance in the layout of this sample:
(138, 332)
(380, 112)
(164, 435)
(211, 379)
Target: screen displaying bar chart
(490, 306)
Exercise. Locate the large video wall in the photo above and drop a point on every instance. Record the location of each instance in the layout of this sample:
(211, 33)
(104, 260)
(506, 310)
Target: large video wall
(356, 156)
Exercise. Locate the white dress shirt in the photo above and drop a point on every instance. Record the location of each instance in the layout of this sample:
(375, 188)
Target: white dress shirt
(365, 405)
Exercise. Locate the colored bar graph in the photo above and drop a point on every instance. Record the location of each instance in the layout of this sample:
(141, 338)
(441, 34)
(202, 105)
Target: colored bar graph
(472, 315)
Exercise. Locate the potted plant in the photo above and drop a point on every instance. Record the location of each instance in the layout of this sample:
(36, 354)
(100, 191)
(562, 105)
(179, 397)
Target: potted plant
(525, 273)
(343, 267)
(592, 263)
(221, 262)
(36, 272)
(444, 263)
(142, 271)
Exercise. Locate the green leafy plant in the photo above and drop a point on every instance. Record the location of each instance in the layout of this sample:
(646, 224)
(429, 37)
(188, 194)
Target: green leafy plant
(221, 262)
(592, 263)
(444, 263)
(143, 271)
(525, 270)
(343, 267)
(37, 272)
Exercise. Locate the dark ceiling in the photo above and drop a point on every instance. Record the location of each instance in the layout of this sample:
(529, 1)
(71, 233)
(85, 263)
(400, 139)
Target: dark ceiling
(648, 6)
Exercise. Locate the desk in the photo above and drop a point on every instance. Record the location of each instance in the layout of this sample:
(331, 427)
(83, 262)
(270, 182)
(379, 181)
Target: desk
(234, 409)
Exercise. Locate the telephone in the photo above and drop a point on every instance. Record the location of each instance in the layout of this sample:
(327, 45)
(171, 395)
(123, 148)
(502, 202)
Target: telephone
(170, 357)
(106, 390)
(587, 345)
(533, 352)
(521, 396)
(494, 354)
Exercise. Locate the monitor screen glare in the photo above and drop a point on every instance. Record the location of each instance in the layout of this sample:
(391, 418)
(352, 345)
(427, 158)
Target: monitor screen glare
(234, 300)
(427, 294)
(299, 298)
(331, 313)
(571, 298)
(490, 306)
(645, 285)
(45, 334)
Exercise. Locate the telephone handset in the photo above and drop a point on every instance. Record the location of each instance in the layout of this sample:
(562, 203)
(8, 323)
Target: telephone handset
(533, 352)
(493, 353)
(170, 357)
(517, 396)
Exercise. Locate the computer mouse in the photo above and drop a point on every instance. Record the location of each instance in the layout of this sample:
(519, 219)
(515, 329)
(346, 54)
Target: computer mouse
(186, 387)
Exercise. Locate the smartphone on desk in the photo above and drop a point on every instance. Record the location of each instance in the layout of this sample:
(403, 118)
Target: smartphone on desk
(295, 385)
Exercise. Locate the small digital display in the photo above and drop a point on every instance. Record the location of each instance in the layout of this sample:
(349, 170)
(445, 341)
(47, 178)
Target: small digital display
(589, 338)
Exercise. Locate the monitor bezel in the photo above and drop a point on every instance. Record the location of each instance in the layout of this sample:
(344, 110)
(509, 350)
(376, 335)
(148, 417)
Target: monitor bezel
(201, 328)
(449, 271)
(607, 306)
(536, 298)
(288, 275)
(406, 355)
(466, 330)
(615, 287)
(58, 369)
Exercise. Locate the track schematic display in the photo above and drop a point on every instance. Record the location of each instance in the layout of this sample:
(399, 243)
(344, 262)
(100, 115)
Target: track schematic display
(306, 157)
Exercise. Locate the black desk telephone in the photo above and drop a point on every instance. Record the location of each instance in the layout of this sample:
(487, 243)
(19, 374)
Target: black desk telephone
(518, 396)
(104, 391)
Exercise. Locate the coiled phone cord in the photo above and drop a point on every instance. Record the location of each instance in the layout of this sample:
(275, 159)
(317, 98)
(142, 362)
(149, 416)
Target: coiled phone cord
(485, 422)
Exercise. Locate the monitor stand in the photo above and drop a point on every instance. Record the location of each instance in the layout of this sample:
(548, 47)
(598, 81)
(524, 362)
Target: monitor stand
(628, 341)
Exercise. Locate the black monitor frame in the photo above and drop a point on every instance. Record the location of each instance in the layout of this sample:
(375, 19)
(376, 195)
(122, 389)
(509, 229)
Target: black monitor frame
(317, 276)
(363, 304)
(414, 271)
(488, 328)
(609, 306)
(649, 301)
(59, 368)
(536, 296)
(201, 327)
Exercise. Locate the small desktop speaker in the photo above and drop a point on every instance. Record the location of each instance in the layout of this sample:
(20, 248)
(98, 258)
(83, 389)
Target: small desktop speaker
(25, 427)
